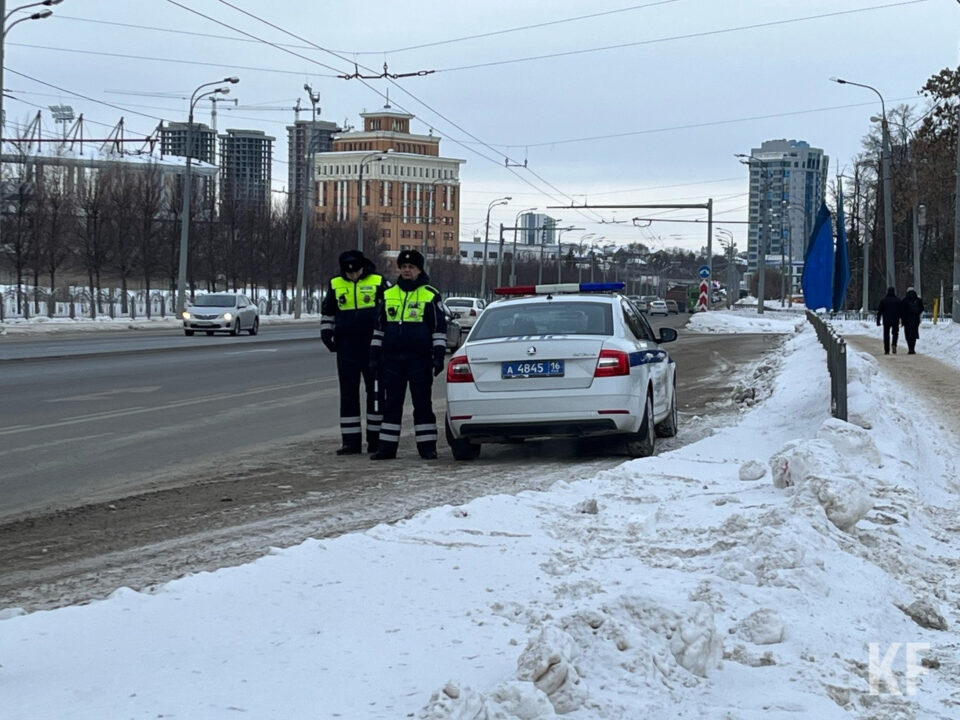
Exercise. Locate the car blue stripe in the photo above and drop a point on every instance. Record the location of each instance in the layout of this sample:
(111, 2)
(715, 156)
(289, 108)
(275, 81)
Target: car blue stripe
(645, 357)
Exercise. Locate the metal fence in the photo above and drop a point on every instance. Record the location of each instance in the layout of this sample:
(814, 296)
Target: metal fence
(836, 349)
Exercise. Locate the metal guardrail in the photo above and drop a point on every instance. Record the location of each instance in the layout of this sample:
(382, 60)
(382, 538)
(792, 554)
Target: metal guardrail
(836, 348)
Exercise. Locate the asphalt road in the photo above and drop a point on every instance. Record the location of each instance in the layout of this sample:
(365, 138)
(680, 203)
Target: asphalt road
(89, 418)
(132, 467)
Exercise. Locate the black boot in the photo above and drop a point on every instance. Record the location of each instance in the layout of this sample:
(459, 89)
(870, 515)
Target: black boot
(349, 450)
(382, 454)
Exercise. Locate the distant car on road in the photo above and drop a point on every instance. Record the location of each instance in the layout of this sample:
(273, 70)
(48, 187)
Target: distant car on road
(639, 302)
(466, 310)
(672, 306)
(221, 312)
(658, 307)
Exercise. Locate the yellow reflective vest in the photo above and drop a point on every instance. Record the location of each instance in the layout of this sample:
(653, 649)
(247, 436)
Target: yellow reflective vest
(407, 307)
(358, 295)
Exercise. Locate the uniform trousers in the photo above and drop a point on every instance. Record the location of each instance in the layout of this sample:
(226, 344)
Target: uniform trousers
(397, 371)
(353, 365)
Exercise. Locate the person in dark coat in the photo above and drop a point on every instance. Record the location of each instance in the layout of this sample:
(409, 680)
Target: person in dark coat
(911, 310)
(889, 312)
(347, 319)
(408, 346)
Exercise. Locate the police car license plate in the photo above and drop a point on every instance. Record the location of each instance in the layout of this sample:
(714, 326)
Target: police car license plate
(531, 369)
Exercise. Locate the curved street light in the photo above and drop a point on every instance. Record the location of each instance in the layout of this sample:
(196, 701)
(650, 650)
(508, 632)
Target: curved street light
(380, 155)
(185, 206)
(885, 162)
(486, 241)
(560, 233)
(6, 28)
(762, 237)
(308, 176)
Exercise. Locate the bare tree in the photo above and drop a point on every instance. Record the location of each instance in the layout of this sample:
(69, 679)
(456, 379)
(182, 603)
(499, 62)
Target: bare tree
(148, 202)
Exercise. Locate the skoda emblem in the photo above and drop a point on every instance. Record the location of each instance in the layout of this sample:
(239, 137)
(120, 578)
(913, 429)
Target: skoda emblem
(531, 350)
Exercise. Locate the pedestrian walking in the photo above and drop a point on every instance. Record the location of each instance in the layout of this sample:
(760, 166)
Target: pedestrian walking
(408, 346)
(911, 310)
(348, 316)
(888, 311)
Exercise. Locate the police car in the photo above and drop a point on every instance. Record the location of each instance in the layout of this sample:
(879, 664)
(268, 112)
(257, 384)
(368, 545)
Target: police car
(566, 360)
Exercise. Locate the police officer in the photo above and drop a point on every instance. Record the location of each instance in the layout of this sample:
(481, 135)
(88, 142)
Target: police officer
(348, 317)
(408, 346)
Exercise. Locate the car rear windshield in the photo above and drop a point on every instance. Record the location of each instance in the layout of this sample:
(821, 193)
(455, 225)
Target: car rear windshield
(460, 302)
(546, 318)
(215, 301)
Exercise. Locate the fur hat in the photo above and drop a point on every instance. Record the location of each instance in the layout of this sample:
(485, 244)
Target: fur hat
(351, 261)
(410, 256)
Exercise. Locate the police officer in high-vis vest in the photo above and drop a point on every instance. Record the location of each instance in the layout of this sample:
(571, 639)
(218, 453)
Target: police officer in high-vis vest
(348, 318)
(408, 346)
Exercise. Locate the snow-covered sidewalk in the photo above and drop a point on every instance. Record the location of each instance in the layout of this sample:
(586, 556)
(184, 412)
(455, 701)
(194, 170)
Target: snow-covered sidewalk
(788, 566)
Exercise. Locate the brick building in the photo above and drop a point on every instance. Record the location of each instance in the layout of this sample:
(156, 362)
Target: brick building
(411, 192)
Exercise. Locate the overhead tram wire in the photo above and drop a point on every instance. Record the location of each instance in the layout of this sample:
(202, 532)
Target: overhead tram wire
(198, 63)
(687, 36)
(374, 90)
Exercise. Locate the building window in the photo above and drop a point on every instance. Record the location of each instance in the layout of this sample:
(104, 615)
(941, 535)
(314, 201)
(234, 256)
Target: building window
(385, 232)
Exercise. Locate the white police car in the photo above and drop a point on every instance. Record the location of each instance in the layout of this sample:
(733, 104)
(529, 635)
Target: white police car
(570, 360)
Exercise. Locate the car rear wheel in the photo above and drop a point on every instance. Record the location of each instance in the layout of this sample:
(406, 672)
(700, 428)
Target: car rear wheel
(668, 426)
(188, 333)
(235, 330)
(461, 448)
(641, 443)
(255, 328)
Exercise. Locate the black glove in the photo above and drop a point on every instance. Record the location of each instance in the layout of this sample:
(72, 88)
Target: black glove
(437, 366)
(327, 339)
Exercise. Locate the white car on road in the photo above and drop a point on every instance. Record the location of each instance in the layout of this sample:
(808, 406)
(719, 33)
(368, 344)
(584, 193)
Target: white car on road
(657, 307)
(555, 361)
(466, 310)
(221, 312)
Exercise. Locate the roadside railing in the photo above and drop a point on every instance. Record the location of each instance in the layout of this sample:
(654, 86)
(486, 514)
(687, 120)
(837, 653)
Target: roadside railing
(836, 349)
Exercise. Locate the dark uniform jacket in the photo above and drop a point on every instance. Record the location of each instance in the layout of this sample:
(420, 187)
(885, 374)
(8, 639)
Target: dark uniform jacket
(349, 309)
(410, 321)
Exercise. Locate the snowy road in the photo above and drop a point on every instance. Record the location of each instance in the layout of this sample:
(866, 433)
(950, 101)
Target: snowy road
(221, 515)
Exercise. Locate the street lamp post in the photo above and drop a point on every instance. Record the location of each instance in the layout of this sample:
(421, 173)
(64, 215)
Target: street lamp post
(185, 206)
(307, 199)
(593, 257)
(726, 241)
(5, 29)
(486, 241)
(431, 204)
(513, 256)
(761, 236)
(885, 161)
(560, 233)
(380, 155)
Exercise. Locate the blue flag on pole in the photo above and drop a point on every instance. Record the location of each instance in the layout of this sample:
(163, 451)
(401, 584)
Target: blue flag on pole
(817, 279)
(841, 260)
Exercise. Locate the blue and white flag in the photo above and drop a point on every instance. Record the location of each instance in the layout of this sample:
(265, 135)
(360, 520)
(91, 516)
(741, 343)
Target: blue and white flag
(817, 280)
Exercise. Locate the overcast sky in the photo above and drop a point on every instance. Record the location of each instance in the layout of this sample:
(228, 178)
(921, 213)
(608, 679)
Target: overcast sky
(609, 102)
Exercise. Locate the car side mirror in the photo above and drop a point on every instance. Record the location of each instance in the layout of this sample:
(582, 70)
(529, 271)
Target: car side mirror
(667, 334)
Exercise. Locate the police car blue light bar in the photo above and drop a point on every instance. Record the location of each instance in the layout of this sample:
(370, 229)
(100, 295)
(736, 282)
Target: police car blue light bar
(555, 288)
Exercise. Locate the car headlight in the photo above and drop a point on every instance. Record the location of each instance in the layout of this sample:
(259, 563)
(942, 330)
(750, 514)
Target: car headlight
(186, 315)
(228, 317)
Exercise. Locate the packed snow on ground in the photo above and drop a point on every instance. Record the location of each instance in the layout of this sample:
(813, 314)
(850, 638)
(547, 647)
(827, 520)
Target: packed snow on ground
(789, 565)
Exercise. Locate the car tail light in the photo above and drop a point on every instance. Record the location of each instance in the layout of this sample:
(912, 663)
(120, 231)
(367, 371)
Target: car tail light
(458, 370)
(473, 313)
(612, 363)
